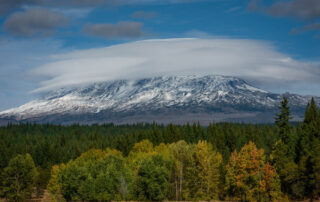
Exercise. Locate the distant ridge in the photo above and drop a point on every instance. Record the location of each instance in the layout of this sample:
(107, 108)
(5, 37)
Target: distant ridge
(176, 99)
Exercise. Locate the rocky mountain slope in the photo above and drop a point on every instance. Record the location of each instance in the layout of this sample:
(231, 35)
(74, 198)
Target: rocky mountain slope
(177, 99)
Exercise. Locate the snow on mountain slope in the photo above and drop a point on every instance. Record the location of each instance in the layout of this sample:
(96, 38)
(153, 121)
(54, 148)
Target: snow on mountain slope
(186, 93)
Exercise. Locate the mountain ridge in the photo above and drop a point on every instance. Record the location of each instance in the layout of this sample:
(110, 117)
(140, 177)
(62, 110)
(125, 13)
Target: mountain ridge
(163, 99)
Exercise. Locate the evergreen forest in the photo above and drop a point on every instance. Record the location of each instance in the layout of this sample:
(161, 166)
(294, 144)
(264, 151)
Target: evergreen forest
(152, 162)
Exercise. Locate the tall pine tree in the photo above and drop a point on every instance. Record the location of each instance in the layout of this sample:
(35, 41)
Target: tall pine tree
(282, 122)
(309, 151)
(283, 154)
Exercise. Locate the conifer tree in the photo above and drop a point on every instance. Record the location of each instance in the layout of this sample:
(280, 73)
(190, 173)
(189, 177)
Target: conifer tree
(283, 154)
(282, 121)
(309, 150)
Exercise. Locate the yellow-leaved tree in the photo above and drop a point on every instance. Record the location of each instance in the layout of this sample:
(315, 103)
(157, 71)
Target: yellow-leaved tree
(54, 186)
(203, 174)
(248, 178)
(182, 154)
(271, 184)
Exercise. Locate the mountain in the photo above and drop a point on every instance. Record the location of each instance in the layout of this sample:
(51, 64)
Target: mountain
(177, 99)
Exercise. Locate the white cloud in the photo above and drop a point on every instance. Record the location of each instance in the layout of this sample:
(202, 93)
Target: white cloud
(257, 61)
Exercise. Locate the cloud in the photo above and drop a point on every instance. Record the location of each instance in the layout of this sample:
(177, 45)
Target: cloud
(315, 26)
(119, 30)
(73, 12)
(144, 14)
(197, 34)
(123, 2)
(304, 9)
(34, 21)
(254, 5)
(7, 6)
(10, 5)
(307, 10)
(256, 61)
(233, 9)
(78, 3)
(97, 3)
(309, 27)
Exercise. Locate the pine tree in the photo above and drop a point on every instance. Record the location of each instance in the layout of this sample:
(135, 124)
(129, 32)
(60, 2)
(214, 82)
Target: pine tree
(309, 150)
(283, 154)
(282, 122)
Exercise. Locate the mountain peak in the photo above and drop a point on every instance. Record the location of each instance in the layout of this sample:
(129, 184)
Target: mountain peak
(150, 99)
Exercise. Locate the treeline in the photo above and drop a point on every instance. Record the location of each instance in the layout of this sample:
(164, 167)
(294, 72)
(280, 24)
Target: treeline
(156, 162)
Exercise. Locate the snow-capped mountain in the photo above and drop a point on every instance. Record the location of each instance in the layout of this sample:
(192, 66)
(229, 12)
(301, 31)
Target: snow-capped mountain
(177, 99)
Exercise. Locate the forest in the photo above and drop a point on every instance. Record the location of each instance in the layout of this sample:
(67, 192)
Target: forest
(151, 162)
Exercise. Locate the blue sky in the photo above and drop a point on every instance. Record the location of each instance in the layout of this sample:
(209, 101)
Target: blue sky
(35, 33)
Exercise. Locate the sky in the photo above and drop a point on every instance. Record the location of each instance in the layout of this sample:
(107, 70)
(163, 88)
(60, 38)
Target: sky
(49, 44)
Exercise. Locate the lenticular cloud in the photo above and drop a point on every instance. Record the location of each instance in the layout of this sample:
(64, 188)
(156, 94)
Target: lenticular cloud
(257, 61)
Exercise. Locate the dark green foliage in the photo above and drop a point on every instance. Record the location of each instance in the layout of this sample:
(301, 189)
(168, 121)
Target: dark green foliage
(18, 178)
(286, 133)
(41, 181)
(153, 179)
(309, 152)
(283, 155)
(282, 121)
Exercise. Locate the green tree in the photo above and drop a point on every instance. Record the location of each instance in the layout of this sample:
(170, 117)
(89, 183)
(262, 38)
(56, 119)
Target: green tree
(144, 146)
(18, 178)
(203, 174)
(95, 175)
(283, 154)
(152, 180)
(282, 122)
(42, 180)
(54, 185)
(309, 150)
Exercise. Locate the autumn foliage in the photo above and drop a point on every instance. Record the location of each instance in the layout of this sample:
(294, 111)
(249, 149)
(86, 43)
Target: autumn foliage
(249, 177)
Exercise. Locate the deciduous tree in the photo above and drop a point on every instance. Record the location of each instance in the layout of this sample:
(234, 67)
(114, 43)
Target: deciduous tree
(18, 178)
(203, 174)
(152, 182)
(244, 174)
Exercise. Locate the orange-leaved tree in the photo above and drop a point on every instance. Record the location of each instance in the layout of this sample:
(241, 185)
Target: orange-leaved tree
(248, 178)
